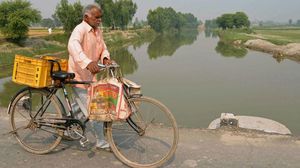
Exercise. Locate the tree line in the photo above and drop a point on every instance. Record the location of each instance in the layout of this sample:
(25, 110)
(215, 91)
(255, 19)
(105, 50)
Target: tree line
(165, 19)
(16, 16)
(230, 20)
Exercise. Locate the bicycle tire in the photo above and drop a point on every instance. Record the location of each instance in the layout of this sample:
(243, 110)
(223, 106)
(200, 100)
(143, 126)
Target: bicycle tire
(21, 110)
(125, 151)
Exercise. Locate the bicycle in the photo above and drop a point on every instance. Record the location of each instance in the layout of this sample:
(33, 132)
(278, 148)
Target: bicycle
(147, 138)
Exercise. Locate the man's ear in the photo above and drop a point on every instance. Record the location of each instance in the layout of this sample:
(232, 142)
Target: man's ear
(86, 15)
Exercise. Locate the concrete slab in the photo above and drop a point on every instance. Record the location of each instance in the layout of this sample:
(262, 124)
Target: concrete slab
(256, 123)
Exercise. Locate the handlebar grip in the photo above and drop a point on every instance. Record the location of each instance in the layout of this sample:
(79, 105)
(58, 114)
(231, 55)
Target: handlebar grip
(114, 65)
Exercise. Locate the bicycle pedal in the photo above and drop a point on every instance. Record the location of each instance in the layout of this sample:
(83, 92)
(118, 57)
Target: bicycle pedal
(83, 142)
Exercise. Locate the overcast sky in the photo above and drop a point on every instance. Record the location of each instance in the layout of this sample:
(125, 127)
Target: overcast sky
(277, 10)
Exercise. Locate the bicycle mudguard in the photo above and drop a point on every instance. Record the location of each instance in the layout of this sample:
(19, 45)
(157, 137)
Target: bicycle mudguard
(13, 98)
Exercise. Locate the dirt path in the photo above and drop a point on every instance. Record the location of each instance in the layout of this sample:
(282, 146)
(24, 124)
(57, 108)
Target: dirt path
(197, 148)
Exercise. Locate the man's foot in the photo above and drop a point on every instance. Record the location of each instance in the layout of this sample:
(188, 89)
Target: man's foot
(103, 145)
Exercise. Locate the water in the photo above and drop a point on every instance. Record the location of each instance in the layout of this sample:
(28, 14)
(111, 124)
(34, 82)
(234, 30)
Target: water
(199, 78)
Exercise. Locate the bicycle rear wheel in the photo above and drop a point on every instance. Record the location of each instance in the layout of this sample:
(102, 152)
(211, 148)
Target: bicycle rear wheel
(149, 137)
(31, 136)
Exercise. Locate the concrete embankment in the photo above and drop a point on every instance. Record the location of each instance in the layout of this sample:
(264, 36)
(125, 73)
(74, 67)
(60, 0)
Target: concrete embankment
(197, 148)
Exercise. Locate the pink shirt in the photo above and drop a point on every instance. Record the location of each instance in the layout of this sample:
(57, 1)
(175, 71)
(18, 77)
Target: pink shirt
(85, 45)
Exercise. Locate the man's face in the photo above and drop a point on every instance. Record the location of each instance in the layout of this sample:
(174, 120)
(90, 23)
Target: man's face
(94, 18)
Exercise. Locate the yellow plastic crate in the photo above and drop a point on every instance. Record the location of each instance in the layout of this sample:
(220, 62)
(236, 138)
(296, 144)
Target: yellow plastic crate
(35, 72)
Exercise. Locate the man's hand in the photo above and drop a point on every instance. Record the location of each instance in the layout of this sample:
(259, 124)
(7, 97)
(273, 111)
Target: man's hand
(93, 67)
(107, 61)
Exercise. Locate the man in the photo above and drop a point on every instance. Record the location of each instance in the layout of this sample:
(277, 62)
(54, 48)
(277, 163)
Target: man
(86, 48)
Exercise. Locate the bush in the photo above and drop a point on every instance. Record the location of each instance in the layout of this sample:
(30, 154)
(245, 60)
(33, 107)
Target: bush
(15, 18)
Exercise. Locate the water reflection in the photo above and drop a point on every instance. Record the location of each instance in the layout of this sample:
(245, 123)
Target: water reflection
(167, 44)
(125, 59)
(229, 50)
(209, 33)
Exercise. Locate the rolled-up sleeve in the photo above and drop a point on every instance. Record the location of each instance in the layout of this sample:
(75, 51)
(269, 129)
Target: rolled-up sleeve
(75, 49)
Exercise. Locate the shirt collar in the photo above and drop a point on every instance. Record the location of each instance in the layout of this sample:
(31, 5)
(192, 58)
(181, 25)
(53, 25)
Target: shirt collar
(87, 26)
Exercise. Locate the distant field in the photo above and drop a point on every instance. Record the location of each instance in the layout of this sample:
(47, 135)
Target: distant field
(276, 35)
(285, 35)
(40, 32)
(43, 32)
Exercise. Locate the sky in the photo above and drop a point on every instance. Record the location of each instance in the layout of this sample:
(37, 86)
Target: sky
(257, 10)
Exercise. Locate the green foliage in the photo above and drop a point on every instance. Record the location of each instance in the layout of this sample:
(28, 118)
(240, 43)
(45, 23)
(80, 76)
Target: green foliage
(15, 18)
(47, 23)
(226, 21)
(165, 19)
(211, 24)
(62, 38)
(117, 13)
(108, 12)
(69, 15)
(237, 20)
(10, 89)
(240, 19)
(228, 50)
(56, 21)
(137, 24)
(231, 35)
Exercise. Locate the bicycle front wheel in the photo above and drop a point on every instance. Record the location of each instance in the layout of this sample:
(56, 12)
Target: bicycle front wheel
(32, 136)
(148, 138)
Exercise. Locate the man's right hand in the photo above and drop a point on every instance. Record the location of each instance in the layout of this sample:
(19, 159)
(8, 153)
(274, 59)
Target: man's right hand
(93, 67)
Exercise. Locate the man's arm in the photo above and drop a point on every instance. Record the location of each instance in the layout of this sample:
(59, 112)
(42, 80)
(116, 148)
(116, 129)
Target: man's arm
(75, 49)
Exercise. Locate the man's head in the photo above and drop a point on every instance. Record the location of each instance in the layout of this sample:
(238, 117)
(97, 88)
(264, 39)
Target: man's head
(92, 15)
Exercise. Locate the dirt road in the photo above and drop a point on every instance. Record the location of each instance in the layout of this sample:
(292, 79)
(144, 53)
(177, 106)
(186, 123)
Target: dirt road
(197, 148)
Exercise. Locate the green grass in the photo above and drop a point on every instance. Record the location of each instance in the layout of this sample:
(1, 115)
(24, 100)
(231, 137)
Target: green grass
(7, 57)
(276, 35)
(231, 35)
(280, 36)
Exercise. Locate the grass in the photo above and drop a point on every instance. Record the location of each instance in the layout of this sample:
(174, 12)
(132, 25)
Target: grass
(231, 35)
(279, 36)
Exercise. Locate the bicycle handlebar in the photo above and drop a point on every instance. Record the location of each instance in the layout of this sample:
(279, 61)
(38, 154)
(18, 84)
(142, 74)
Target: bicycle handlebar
(113, 65)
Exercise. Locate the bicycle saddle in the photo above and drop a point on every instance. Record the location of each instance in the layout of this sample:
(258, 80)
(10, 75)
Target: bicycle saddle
(62, 75)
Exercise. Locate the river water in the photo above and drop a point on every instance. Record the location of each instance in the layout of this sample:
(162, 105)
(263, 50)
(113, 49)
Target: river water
(199, 78)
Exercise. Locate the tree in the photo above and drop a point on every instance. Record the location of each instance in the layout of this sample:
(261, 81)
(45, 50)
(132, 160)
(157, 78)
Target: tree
(47, 23)
(108, 8)
(137, 24)
(158, 20)
(225, 21)
(164, 19)
(126, 10)
(211, 23)
(117, 13)
(240, 19)
(237, 20)
(15, 19)
(69, 15)
(56, 21)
